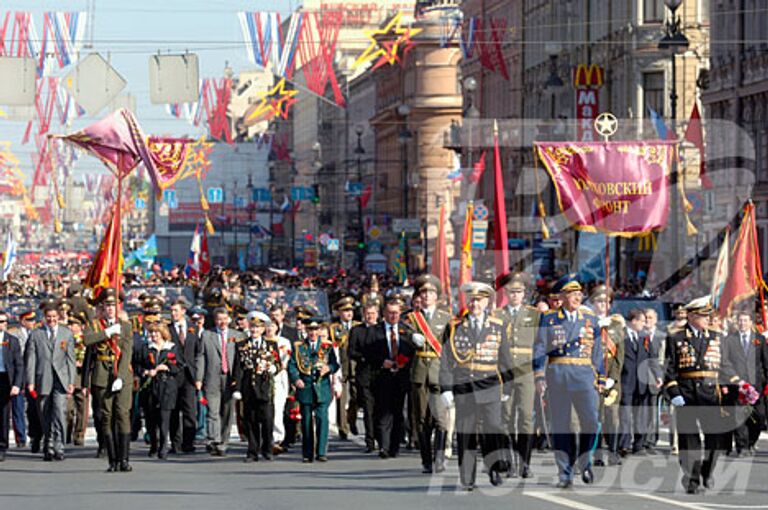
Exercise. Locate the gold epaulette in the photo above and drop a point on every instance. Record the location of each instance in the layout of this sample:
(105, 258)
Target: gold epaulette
(495, 320)
(618, 319)
(531, 308)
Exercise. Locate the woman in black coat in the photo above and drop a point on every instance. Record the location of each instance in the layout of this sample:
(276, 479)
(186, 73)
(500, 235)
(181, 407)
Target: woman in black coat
(162, 363)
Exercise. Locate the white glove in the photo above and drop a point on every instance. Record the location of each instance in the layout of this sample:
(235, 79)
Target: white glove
(609, 383)
(447, 398)
(113, 330)
(117, 385)
(677, 401)
(237, 395)
(418, 339)
(504, 397)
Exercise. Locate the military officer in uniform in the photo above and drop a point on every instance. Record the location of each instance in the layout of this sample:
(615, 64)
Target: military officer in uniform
(474, 369)
(346, 407)
(521, 322)
(310, 370)
(694, 370)
(568, 359)
(612, 340)
(111, 378)
(428, 324)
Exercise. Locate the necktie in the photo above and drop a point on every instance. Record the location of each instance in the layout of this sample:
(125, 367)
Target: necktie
(180, 329)
(514, 313)
(224, 360)
(393, 342)
(50, 335)
(745, 342)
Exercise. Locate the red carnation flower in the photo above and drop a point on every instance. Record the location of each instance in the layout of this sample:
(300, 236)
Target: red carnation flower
(171, 355)
(204, 401)
(33, 394)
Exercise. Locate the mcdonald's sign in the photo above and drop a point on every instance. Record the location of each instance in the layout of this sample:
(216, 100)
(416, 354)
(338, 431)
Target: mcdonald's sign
(588, 76)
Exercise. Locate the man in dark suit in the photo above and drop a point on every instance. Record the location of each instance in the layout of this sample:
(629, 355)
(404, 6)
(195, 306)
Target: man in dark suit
(658, 339)
(183, 334)
(390, 352)
(277, 315)
(747, 356)
(639, 373)
(50, 367)
(214, 378)
(11, 378)
(358, 343)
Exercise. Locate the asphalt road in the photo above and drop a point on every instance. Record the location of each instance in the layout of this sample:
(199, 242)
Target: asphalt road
(352, 479)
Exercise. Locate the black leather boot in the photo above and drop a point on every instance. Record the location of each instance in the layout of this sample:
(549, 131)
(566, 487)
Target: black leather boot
(124, 444)
(109, 445)
(425, 448)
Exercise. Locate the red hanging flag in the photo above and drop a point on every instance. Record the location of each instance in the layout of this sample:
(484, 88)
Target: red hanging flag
(500, 243)
(107, 267)
(365, 196)
(695, 135)
(745, 277)
(478, 169)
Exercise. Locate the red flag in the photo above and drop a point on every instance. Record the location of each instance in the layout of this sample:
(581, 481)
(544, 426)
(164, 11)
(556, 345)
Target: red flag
(745, 277)
(107, 266)
(465, 268)
(695, 135)
(440, 267)
(365, 196)
(500, 243)
(205, 259)
(477, 169)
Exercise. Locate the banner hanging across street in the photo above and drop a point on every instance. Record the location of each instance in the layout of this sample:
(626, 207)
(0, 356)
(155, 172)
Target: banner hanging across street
(617, 188)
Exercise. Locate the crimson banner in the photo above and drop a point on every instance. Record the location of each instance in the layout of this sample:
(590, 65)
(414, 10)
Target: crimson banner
(617, 188)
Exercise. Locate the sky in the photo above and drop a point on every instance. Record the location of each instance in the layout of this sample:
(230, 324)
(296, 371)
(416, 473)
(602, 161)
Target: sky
(128, 32)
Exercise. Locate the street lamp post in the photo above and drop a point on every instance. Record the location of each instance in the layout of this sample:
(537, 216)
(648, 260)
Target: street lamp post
(404, 137)
(360, 152)
(675, 41)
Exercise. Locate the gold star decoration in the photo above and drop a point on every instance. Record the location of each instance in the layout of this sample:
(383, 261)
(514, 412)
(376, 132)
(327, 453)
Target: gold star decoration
(388, 51)
(274, 103)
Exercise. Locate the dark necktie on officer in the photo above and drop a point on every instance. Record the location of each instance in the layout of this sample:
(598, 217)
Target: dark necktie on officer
(745, 342)
(393, 342)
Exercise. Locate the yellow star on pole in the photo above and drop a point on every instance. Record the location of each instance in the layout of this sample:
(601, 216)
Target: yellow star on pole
(387, 50)
(274, 103)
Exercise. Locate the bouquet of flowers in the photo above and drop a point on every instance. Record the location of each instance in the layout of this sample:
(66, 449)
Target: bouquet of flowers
(748, 395)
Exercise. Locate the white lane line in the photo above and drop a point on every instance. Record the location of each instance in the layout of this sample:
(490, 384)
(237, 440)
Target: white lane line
(668, 501)
(723, 505)
(558, 500)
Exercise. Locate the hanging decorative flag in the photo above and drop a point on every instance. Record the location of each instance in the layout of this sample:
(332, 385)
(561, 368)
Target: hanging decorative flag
(395, 40)
(274, 103)
(317, 52)
(619, 188)
(265, 43)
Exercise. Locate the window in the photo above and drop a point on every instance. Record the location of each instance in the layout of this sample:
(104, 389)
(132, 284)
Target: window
(653, 91)
(653, 11)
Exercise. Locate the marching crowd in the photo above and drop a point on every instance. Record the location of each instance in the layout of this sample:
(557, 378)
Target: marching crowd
(540, 371)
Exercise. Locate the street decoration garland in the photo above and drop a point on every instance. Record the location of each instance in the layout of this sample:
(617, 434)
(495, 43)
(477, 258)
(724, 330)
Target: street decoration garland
(393, 46)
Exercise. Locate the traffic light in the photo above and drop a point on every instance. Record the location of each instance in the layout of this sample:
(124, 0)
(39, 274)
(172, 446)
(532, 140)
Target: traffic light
(361, 245)
(315, 193)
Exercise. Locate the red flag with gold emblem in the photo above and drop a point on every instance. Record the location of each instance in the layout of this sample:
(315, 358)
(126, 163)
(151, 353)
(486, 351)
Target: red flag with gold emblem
(107, 267)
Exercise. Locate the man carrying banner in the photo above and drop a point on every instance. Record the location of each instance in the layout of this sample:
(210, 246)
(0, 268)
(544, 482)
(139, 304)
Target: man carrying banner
(568, 359)
(111, 378)
(521, 323)
(428, 323)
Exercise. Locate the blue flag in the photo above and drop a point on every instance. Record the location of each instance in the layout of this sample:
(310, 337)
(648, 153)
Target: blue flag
(658, 124)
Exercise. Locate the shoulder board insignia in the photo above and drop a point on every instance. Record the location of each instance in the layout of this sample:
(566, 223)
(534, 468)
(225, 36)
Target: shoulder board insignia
(495, 320)
(531, 308)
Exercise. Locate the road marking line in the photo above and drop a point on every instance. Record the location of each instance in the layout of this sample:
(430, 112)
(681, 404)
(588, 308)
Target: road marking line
(723, 505)
(551, 498)
(691, 506)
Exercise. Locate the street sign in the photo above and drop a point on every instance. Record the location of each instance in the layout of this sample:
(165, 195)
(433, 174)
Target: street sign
(140, 203)
(375, 247)
(215, 195)
(261, 195)
(480, 212)
(551, 244)
(479, 234)
(169, 194)
(407, 225)
(302, 193)
(516, 243)
(333, 245)
(374, 232)
(354, 188)
(173, 204)
(240, 202)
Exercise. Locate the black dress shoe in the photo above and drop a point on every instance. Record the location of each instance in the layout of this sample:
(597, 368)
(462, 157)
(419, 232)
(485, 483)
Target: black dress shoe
(162, 454)
(152, 452)
(468, 488)
(47, 457)
(709, 482)
(35, 446)
(525, 471)
(495, 478)
(58, 456)
(173, 451)
(693, 489)
(369, 449)
(426, 470)
(587, 476)
(564, 484)
(248, 459)
(383, 455)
